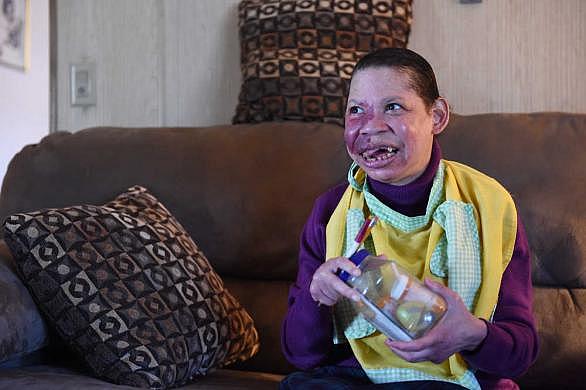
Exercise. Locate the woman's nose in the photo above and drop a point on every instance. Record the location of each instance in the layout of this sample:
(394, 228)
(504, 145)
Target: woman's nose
(375, 124)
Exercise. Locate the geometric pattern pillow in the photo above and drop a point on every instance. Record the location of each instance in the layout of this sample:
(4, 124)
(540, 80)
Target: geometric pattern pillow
(297, 56)
(127, 288)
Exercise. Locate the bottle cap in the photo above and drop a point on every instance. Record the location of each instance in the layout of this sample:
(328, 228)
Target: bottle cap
(356, 258)
(359, 256)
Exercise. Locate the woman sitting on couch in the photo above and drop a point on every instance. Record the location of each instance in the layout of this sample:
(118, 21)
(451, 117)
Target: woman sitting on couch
(451, 225)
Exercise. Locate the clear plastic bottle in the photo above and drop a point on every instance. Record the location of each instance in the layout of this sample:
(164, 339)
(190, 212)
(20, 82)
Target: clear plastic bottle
(393, 300)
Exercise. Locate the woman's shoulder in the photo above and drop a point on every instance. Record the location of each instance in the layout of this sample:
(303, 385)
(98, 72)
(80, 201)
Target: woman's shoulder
(472, 176)
(326, 202)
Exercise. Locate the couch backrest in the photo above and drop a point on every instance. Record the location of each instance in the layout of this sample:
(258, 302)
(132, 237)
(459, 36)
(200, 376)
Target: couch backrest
(540, 159)
(247, 189)
(243, 192)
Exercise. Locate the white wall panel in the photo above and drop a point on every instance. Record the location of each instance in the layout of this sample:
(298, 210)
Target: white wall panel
(123, 39)
(202, 74)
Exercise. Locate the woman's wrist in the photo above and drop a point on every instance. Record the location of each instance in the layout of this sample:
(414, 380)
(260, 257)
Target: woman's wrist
(479, 331)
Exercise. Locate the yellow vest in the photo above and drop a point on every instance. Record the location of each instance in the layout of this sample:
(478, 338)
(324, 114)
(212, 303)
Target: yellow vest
(496, 220)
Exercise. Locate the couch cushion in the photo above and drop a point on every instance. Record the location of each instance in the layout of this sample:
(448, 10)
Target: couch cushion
(562, 324)
(257, 296)
(297, 57)
(53, 377)
(127, 287)
(22, 329)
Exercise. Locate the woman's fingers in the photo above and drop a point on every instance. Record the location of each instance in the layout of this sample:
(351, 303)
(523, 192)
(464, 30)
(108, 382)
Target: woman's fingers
(329, 288)
(419, 350)
(345, 290)
(326, 287)
(343, 263)
(329, 297)
(442, 341)
(420, 356)
(406, 346)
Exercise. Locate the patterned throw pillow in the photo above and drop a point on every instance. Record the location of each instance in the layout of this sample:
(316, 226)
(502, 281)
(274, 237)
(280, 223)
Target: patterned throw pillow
(297, 56)
(130, 291)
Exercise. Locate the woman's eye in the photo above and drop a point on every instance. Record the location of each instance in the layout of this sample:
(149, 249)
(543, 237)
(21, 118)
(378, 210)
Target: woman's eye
(393, 107)
(355, 110)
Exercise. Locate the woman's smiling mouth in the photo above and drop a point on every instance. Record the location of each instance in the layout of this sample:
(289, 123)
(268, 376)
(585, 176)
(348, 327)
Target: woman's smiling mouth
(378, 154)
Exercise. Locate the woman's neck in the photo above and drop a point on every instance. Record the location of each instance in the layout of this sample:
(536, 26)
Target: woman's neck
(409, 199)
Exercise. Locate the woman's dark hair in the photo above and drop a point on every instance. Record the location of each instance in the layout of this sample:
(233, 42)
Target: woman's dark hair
(422, 78)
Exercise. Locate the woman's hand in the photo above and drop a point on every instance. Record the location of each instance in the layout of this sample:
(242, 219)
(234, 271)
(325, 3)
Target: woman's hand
(327, 288)
(457, 331)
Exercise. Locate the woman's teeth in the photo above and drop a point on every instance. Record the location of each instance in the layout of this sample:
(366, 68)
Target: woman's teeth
(378, 154)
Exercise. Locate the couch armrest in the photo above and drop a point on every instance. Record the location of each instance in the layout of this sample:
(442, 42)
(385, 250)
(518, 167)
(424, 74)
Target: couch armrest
(22, 329)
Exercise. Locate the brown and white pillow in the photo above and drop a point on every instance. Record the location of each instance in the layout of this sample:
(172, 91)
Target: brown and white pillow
(297, 56)
(125, 285)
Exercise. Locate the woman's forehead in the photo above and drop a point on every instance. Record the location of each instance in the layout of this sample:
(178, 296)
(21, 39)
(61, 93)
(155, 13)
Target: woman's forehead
(382, 80)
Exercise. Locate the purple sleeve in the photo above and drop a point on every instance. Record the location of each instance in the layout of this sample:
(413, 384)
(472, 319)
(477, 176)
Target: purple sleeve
(306, 334)
(511, 344)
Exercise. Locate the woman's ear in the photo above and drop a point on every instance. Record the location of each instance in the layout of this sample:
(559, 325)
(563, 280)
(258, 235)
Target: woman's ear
(440, 114)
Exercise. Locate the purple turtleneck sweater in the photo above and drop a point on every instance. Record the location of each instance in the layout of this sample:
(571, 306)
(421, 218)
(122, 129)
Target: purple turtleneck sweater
(511, 344)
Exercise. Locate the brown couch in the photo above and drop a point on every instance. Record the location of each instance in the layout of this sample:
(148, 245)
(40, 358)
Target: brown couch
(243, 193)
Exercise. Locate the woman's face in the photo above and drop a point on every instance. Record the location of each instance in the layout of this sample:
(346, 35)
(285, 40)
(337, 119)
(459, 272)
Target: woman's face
(389, 130)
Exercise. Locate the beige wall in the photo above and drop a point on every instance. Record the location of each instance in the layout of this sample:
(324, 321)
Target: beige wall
(176, 62)
(505, 55)
(158, 63)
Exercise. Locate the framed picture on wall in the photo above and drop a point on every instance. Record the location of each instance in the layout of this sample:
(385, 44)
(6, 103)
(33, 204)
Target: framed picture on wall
(14, 30)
